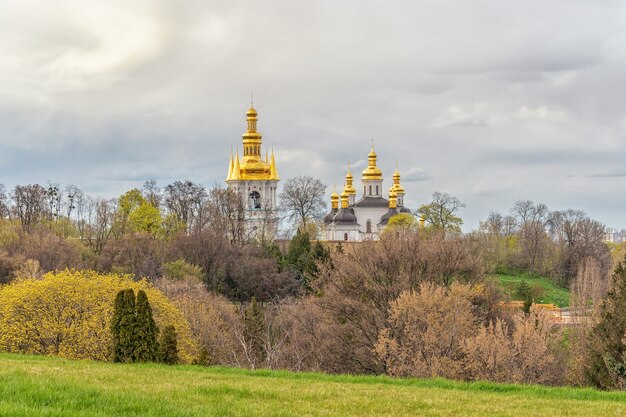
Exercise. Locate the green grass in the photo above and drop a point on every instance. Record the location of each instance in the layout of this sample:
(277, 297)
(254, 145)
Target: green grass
(33, 386)
(551, 293)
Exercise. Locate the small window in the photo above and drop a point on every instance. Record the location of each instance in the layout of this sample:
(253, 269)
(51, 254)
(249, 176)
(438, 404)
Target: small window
(345, 236)
(363, 190)
(368, 227)
(370, 190)
(377, 190)
(254, 200)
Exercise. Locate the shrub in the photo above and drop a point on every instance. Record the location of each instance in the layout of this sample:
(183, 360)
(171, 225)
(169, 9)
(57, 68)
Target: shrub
(69, 314)
(168, 347)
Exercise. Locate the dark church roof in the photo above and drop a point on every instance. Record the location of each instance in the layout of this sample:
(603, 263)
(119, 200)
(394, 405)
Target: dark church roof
(390, 213)
(345, 216)
(329, 217)
(405, 210)
(372, 202)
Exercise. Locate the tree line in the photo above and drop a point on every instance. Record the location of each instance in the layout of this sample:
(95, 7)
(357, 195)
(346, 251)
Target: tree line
(418, 302)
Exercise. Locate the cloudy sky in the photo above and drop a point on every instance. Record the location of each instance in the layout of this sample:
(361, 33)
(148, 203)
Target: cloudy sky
(491, 101)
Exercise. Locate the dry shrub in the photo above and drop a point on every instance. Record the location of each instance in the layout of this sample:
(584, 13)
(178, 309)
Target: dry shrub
(139, 254)
(212, 319)
(588, 290)
(426, 332)
(305, 335)
(51, 251)
(520, 355)
(357, 288)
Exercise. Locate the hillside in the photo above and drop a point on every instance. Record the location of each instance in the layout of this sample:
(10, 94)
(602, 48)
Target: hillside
(547, 291)
(43, 386)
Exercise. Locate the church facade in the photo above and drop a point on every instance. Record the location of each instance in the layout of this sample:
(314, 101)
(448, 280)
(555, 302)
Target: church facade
(255, 179)
(356, 220)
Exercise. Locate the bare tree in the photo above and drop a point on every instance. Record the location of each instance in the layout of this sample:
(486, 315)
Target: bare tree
(578, 237)
(302, 199)
(533, 220)
(441, 213)
(494, 224)
(100, 215)
(54, 196)
(186, 201)
(226, 211)
(152, 192)
(29, 204)
(4, 202)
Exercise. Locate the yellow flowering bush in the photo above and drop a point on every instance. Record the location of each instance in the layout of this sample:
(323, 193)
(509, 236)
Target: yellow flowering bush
(68, 313)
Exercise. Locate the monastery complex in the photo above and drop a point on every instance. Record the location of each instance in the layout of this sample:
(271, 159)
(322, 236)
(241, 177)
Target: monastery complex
(256, 179)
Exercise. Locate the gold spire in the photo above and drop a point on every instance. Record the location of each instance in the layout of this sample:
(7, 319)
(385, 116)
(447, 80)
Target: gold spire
(349, 188)
(230, 165)
(273, 172)
(422, 221)
(236, 175)
(252, 139)
(344, 199)
(393, 200)
(372, 172)
(334, 199)
(252, 164)
(397, 187)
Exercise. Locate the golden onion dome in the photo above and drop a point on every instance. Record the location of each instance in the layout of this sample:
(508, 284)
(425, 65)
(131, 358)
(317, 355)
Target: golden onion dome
(251, 112)
(349, 188)
(393, 199)
(334, 195)
(372, 172)
(397, 187)
(344, 199)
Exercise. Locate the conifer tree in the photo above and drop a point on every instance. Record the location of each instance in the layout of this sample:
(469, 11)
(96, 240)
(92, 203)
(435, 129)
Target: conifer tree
(254, 324)
(118, 311)
(168, 346)
(123, 326)
(146, 335)
(607, 356)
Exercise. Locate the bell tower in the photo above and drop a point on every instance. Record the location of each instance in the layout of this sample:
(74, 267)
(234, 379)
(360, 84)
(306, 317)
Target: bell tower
(255, 179)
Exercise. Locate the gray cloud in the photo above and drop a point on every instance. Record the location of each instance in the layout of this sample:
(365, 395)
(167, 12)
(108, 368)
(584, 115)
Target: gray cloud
(490, 102)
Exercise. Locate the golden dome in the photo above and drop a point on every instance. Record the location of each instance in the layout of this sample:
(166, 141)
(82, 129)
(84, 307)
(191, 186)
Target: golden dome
(393, 200)
(344, 199)
(252, 165)
(372, 172)
(334, 199)
(349, 188)
(397, 187)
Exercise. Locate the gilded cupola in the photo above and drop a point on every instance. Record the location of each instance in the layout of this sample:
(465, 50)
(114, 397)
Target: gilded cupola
(344, 199)
(252, 165)
(397, 187)
(349, 188)
(393, 199)
(372, 172)
(334, 200)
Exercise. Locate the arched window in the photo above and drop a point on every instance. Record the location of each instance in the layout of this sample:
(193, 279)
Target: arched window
(345, 236)
(254, 200)
(377, 190)
(368, 226)
(370, 190)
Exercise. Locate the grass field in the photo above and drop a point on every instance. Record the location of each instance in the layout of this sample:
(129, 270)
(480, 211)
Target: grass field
(551, 292)
(42, 386)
